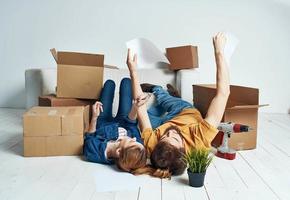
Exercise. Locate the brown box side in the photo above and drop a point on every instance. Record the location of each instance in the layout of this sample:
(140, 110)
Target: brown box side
(247, 140)
(35, 125)
(64, 145)
(34, 146)
(79, 81)
(202, 97)
(183, 57)
(83, 59)
(53, 145)
(73, 122)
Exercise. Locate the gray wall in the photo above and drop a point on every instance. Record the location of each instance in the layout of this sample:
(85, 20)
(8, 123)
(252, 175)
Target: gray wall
(30, 28)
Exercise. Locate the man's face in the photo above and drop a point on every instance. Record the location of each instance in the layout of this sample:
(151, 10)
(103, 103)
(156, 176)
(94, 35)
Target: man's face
(126, 142)
(173, 138)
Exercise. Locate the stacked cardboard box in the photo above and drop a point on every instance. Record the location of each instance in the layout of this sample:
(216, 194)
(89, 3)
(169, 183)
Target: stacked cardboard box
(242, 107)
(54, 131)
(57, 127)
(183, 57)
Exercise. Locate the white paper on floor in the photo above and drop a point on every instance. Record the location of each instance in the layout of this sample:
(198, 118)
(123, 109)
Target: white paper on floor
(109, 179)
(147, 52)
(231, 44)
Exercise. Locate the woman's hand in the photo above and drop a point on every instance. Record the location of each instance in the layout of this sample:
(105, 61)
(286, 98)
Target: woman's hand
(97, 108)
(141, 100)
(131, 62)
(219, 42)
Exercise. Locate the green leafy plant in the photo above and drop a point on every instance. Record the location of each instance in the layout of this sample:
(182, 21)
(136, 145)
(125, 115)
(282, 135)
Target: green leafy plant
(198, 160)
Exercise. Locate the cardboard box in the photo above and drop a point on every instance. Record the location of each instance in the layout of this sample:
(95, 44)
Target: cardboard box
(183, 57)
(79, 75)
(49, 131)
(242, 107)
(53, 101)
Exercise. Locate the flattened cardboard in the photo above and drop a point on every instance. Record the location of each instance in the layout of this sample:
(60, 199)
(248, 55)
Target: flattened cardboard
(242, 107)
(53, 145)
(183, 57)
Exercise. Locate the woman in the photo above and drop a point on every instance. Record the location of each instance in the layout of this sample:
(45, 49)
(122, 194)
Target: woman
(115, 140)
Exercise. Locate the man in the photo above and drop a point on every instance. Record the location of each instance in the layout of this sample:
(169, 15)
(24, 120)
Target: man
(187, 129)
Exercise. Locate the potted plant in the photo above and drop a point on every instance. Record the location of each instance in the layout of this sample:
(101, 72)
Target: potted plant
(198, 161)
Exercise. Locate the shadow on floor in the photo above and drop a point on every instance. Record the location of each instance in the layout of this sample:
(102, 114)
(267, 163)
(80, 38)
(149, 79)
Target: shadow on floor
(182, 180)
(14, 145)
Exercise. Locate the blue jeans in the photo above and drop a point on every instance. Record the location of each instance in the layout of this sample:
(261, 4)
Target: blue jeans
(167, 107)
(107, 97)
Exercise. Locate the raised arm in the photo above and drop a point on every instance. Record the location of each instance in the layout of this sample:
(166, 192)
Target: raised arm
(217, 107)
(137, 92)
(97, 108)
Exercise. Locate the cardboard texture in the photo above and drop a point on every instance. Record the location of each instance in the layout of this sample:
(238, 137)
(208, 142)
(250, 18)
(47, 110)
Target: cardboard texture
(50, 131)
(242, 107)
(53, 146)
(53, 101)
(79, 75)
(183, 57)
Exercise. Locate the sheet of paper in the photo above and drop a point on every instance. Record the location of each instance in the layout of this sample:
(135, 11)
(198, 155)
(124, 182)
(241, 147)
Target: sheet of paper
(231, 44)
(147, 53)
(109, 179)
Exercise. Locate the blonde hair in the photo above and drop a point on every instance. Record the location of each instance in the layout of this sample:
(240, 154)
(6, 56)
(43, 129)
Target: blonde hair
(133, 160)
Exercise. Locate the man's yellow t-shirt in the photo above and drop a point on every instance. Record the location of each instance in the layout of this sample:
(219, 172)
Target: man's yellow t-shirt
(196, 132)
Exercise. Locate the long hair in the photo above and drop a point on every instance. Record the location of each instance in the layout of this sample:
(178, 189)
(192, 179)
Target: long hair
(133, 160)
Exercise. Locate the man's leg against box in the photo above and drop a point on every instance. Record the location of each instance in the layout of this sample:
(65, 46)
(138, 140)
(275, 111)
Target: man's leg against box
(172, 105)
(155, 112)
(107, 97)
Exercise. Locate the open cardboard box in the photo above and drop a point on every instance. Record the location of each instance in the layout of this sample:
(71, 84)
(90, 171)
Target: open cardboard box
(242, 107)
(79, 75)
(54, 131)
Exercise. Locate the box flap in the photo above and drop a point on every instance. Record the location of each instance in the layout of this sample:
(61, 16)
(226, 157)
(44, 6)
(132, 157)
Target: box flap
(76, 58)
(54, 54)
(239, 95)
(245, 107)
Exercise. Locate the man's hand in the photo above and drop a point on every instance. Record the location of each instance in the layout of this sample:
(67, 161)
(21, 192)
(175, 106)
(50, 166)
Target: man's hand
(97, 108)
(131, 62)
(219, 41)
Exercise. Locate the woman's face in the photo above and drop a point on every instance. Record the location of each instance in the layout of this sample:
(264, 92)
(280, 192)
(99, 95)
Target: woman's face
(173, 138)
(127, 142)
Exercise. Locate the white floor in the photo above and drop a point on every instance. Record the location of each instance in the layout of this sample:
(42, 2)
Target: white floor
(263, 173)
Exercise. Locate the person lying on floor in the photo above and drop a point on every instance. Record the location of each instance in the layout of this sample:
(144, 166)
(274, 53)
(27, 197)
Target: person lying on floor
(183, 128)
(115, 140)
